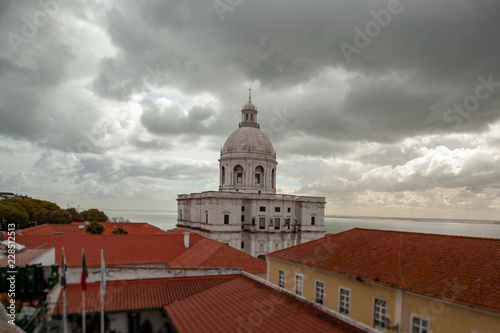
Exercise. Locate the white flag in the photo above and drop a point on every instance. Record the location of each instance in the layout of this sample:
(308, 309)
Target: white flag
(103, 275)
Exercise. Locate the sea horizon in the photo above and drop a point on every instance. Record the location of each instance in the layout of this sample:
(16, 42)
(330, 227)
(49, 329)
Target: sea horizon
(167, 219)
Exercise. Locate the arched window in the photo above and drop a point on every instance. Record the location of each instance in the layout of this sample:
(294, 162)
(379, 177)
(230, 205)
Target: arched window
(223, 176)
(259, 175)
(272, 178)
(238, 175)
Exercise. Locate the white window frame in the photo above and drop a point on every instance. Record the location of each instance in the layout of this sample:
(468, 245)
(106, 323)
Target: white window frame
(322, 294)
(301, 291)
(281, 278)
(421, 318)
(348, 301)
(386, 316)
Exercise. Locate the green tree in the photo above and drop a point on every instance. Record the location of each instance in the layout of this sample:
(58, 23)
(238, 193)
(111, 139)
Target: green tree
(45, 204)
(94, 228)
(119, 231)
(94, 215)
(60, 217)
(75, 215)
(12, 214)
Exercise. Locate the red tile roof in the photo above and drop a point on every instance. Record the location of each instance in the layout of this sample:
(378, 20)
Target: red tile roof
(118, 249)
(78, 228)
(210, 253)
(167, 249)
(137, 294)
(464, 270)
(245, 305)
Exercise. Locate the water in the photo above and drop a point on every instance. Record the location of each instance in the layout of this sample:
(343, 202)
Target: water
(333, 224)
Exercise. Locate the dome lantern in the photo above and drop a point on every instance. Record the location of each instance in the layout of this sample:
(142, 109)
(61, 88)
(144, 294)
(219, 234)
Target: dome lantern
(249, 113)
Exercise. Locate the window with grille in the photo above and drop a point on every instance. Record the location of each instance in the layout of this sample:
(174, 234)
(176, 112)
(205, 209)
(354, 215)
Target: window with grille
(344, 301)
(320, 292)
(299, 284)
(379, 315)
(281, 278)
(419, 325)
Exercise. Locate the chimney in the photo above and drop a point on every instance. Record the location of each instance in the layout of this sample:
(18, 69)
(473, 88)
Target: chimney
(186, 240)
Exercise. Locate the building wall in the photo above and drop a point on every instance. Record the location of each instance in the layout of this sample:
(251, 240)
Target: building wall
(401, 306)
(46, 259)
(445, 317)
(205, 213)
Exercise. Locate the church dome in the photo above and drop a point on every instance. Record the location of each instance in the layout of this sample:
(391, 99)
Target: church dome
(249, 106)
(248, 139)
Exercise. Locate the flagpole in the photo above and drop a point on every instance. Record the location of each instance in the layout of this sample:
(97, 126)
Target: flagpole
(103, 290)
(84, 330)
(102, 313)
(65, 314)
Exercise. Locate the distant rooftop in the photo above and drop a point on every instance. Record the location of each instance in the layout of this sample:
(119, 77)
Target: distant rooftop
(161, 249)
(78, 228)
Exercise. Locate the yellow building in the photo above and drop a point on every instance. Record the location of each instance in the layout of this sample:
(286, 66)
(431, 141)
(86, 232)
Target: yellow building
(398, 281)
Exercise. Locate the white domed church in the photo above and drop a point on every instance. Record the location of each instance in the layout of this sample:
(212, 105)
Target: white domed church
(246, 212)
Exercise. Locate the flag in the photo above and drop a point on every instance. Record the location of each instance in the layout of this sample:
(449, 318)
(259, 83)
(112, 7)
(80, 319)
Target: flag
(63, 274)
(103, 274)
(85, 273)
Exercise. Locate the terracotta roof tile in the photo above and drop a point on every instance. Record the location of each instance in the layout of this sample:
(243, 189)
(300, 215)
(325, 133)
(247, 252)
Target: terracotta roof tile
(167, 249)
(464, 270)
(245, 305)
(137, 294)
(118, 249)
(78, 228)
(211, 253)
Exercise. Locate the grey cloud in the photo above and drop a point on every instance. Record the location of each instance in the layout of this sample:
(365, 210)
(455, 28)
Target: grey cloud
(172, 120)
(402, 85)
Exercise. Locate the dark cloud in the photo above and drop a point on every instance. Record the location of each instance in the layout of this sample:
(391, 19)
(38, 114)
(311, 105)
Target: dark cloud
(409, 114)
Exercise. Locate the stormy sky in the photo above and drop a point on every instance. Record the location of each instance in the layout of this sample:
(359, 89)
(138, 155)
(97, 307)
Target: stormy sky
(386, 108)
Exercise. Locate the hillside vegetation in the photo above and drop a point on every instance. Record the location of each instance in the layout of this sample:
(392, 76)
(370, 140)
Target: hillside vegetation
(24, 211)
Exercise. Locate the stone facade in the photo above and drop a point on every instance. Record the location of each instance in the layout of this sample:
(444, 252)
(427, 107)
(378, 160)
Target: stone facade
(246, 212)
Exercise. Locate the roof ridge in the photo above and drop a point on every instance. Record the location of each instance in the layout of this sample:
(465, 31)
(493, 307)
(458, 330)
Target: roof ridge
(221, 245)
(418, 233)
(168, 278)
(310, 242)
